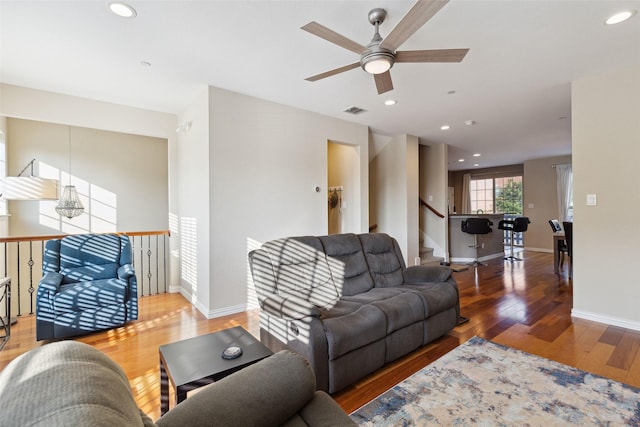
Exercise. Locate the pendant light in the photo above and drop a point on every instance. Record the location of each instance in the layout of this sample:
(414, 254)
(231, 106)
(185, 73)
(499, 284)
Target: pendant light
(70, 205)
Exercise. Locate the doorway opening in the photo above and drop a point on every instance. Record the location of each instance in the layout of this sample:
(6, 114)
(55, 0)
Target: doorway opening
(343, 187)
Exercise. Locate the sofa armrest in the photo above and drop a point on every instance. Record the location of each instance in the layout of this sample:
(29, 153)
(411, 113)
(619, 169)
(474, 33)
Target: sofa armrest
(51, 281)
(289, 307)
(267, 393)
(126, 271)
(426, 274)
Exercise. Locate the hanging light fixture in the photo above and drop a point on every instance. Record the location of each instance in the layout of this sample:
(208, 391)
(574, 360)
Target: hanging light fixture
(70, 205)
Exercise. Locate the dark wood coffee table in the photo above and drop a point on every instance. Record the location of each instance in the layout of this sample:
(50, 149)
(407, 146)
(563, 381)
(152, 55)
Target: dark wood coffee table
(198, 361)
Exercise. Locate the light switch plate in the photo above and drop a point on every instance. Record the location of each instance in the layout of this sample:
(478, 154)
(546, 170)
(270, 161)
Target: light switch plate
(592, 200)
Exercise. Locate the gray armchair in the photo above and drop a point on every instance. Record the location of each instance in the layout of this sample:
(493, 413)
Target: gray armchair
(70, 383)
(88, 284)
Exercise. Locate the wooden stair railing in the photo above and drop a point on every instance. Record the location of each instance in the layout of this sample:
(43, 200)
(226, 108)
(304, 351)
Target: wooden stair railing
(431, 208)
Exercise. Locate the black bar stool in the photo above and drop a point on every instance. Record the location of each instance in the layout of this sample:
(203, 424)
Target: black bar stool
(516, 225)
(476, 226)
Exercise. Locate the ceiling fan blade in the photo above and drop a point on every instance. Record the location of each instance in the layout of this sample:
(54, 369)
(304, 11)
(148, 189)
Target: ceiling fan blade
(333, 37)
(333, 72)
(435, 55)
(383, 82)
(419, 14)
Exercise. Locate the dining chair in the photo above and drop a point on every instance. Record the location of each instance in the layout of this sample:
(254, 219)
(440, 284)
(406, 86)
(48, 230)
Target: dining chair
(562, 244)
(568, 238)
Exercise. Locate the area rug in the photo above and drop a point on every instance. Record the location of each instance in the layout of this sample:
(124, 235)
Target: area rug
(484, 383)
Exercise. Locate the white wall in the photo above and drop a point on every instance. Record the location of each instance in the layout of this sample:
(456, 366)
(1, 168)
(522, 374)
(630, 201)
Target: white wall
(194, 194)
(394, 173)
(605, 150)
(434, 186)
(265, 161)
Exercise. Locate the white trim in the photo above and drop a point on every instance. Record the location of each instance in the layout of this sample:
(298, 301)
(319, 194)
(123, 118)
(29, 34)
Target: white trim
(545, 250)
(225, 311)
(614, 321)
(484, 258)
(211, 314)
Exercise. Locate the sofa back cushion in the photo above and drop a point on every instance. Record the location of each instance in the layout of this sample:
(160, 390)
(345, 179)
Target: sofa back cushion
(85, 257)
(300, 269)
(347, 264)
(384, 259)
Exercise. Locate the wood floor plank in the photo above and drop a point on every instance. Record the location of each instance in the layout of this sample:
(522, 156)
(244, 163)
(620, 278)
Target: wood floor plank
(625, 351)
(521, 304)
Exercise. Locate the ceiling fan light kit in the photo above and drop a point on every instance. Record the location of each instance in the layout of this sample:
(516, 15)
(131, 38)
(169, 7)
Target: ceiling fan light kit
(380, 54)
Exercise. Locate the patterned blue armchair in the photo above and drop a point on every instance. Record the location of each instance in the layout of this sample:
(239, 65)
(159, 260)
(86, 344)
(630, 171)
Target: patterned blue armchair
(88, 285)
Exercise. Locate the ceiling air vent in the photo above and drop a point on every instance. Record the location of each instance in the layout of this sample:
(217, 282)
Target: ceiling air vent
(354, 110)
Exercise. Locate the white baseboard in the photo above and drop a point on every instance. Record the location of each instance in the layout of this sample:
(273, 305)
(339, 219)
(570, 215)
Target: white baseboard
(545, 250)
(607, 320)
(225, 311)
(484, 258)
(218, 312)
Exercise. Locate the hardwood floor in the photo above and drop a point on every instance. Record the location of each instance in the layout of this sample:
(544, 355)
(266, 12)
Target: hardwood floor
(521, 304)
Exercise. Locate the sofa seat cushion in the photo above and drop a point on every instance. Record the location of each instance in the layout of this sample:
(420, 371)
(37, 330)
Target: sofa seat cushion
(438, 297)
(366, 325)
(74, 297)
(401, 310)
(375, 294)
(341, 308)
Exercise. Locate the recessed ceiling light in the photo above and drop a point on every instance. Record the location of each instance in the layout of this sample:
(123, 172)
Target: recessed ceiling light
(476, 155)
(445, 127)
(460, 160)
(390, 102)
(619, 17)
(123, 10)
(470, 122)
(476, 165)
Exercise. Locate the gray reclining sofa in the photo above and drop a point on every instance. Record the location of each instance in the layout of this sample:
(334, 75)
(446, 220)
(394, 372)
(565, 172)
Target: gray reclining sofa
(348, 304)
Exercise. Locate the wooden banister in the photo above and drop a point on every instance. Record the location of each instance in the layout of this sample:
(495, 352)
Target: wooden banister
(60, 236)
(431, 208)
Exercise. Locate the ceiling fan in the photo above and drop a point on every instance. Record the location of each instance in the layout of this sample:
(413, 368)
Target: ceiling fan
(380, 54)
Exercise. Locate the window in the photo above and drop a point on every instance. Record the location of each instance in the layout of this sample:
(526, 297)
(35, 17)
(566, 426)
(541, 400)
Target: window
(497, 195)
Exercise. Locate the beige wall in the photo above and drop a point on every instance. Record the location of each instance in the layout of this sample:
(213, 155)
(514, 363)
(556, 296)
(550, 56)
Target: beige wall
(540, 201)
(265, 160)
(103, 167)
(394, 178)
(606, 149)
(433, 190)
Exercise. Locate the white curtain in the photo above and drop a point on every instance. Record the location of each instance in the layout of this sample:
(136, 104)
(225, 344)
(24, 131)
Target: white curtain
(466, 193)
(564, 182)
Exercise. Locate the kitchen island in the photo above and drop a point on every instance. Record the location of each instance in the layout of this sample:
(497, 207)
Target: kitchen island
(490, 245)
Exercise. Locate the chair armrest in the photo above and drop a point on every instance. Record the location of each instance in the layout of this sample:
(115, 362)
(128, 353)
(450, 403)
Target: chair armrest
(126, 271)
(426, 274)
(267, 393)
(290, 307)
(51, 281)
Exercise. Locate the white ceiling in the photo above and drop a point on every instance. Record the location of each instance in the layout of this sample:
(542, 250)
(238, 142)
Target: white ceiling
(514, 83)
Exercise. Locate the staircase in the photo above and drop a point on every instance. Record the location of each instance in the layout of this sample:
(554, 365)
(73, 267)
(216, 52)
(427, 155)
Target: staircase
(427, 258)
